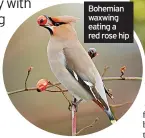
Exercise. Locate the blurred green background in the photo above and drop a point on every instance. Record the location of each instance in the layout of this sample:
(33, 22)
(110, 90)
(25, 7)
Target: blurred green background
(139, 19)
(49, 111)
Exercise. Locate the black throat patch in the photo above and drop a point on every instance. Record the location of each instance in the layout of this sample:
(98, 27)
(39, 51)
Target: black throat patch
(51, 32)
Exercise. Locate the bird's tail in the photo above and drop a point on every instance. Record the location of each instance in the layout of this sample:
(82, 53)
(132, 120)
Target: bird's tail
(110, 116)
(107, 110)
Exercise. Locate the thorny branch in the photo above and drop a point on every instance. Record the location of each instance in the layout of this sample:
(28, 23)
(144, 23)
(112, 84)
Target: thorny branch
(59, 89)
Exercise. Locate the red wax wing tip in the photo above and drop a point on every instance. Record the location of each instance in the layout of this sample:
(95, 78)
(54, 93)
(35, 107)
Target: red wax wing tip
(42, 20)
(42, 85)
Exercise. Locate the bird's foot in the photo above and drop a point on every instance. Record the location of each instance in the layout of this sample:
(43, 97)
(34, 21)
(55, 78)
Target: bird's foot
(75, 104)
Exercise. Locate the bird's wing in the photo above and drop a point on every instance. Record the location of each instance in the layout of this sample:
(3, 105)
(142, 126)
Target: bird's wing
(87, 85)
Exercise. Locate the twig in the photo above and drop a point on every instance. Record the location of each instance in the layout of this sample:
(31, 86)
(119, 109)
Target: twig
(120, 105)
(62, 91)
(22, 90)
(91, 125)
(56, 91)
(118, 78)
(26, 89)
(74, 118)
(105, 70)
(107, 91)
(55, 84)
(28, 73)
(104, 79)
(117, 106)
(33, 89)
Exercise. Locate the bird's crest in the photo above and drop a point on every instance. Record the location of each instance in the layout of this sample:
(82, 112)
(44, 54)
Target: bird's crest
(65, 19)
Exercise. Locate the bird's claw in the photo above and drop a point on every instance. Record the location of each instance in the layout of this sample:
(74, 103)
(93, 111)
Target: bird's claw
(69, 106)
(75, 104)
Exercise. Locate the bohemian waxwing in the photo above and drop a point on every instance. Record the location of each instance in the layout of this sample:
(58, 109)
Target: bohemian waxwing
(71, 64)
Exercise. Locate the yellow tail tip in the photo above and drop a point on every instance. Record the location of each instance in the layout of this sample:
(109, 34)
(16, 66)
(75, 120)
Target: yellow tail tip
(113, 121)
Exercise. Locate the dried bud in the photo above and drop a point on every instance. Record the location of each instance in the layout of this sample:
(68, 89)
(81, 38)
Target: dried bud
(42, 85)
(122, 69)
(92, 52)
(29, 69)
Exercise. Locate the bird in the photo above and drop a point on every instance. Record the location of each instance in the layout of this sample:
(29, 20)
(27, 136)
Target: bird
(71, 64)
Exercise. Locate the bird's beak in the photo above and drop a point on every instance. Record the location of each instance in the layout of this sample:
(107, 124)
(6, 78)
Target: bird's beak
(46, 22)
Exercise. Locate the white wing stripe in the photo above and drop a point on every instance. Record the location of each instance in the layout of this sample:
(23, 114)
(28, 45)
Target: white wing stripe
(76, 76)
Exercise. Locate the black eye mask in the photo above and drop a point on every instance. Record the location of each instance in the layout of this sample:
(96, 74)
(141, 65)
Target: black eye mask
(53, 22)
(56, 23)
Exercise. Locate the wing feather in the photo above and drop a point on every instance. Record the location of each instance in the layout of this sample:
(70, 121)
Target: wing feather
(88, 86)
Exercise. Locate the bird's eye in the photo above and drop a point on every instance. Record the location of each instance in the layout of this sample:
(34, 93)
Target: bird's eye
(57, 24)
